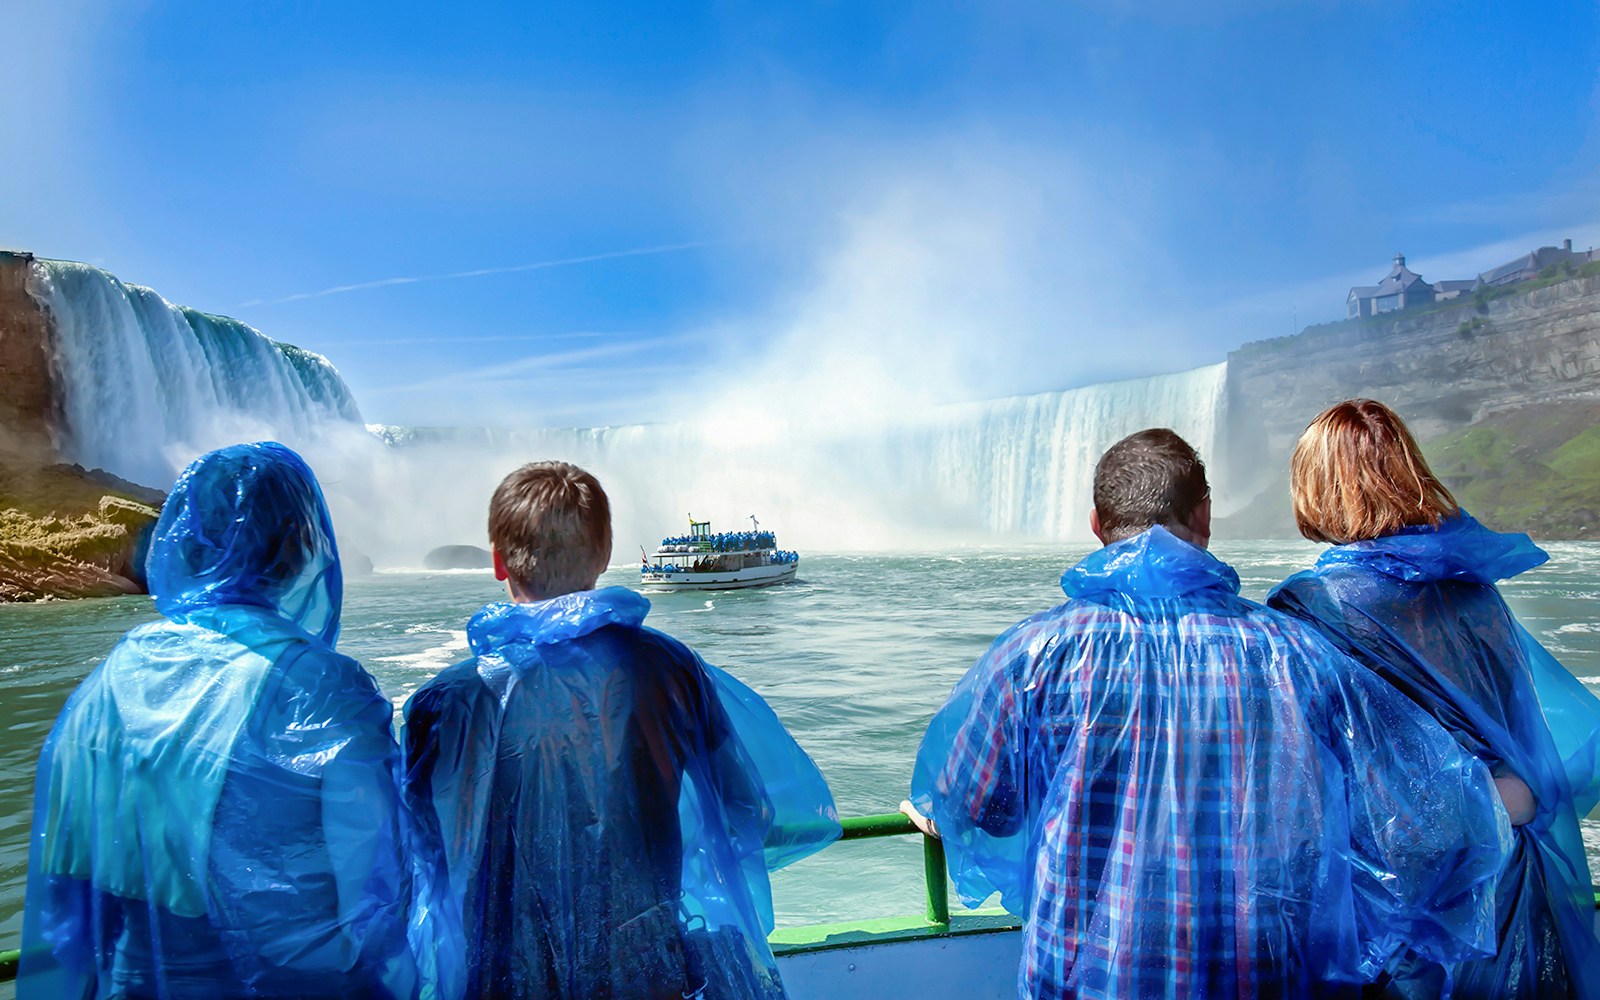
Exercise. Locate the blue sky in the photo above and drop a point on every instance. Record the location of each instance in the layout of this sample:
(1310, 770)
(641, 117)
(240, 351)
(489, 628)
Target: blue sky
(532, 214)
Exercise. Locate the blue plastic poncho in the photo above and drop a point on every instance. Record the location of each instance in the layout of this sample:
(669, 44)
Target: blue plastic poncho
(216, 810)
(1421, 610)
(1188, 795)
(609, 806)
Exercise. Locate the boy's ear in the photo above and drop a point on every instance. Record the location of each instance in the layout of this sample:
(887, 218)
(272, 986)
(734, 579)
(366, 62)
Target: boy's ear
(500, 571)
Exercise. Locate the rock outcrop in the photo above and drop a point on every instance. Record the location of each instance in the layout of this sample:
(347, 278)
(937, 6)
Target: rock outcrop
(458, 557)
(64, 531)
(63, 535)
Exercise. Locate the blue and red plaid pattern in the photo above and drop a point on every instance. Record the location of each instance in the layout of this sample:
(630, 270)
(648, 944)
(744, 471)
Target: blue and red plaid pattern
(1189, 795)
(1156, 743)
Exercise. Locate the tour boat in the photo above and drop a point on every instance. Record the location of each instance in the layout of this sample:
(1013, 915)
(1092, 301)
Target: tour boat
(729, 560)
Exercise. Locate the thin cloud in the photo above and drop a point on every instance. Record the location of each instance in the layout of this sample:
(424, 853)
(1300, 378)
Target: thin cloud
(448, 338)
(519, 369)
(487, 271)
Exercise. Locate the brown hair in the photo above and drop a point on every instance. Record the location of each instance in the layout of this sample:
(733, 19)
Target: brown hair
(1148, 478)
(1358, 474)
(551, 524)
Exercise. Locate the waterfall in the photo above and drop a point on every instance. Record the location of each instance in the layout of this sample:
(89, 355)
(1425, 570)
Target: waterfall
(1025, 465)
(145, 385)
(1018, 467)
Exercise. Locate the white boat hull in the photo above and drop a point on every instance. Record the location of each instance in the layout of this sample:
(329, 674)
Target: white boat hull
(728, 579)
(969, 967)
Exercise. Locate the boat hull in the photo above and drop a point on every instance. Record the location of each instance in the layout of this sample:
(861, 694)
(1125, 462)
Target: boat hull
(729, 579)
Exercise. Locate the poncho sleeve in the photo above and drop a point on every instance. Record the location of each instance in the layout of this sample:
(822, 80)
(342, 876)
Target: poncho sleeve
(800, 816)
(1426, 837)
(970, 772)
(760, 805)
(1573, 713)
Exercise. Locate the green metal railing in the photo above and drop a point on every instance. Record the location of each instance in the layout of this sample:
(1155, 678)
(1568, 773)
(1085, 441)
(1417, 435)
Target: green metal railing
(935, 886)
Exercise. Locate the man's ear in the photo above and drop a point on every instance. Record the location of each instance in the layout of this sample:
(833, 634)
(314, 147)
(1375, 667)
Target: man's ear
(500, 571)
(1094, 525)
(1200, 523)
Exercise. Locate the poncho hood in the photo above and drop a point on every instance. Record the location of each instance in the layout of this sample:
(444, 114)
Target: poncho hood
(558, 619)
(1153, 564)
(248, 525)
(1458, 549)
(244, 566)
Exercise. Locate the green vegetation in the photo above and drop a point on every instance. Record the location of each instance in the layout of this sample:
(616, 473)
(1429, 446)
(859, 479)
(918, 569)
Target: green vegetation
(1535, 470)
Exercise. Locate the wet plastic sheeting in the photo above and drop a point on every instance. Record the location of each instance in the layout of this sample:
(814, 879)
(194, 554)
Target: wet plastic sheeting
(609, 806)
(217, 809)
(1421, 610)
(1190, 795)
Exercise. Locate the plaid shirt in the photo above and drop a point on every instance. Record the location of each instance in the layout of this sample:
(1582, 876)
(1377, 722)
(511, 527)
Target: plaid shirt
(1147, 776)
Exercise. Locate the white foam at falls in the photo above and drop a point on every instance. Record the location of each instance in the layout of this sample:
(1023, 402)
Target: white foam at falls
(146, 385)
(1021, 466)
(1026, 464)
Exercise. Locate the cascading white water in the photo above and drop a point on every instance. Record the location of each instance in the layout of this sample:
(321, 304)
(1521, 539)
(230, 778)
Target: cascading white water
(1026, 464)
(1018, 467)
(146, 385)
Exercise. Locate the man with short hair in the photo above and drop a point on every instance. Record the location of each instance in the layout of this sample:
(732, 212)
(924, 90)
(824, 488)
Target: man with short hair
(1188, 795)
(601, 795)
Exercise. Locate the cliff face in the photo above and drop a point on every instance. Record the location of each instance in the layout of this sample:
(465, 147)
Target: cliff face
(1449, 370)
(27, 404)
(64, 531)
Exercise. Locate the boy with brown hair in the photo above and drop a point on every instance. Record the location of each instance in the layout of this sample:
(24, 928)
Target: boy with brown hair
(598, 791)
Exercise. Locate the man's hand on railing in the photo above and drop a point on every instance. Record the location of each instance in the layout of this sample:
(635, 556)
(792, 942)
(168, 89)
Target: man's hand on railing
(918, 820)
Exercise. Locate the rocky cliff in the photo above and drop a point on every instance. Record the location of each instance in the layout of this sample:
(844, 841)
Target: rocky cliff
(64, 531)
(1494, 388)
(27, 405)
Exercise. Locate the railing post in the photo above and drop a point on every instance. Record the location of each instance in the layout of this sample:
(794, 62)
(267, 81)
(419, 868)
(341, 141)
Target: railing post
(934, 881)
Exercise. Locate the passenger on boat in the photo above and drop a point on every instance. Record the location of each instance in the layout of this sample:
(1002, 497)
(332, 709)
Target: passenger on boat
(1189, 795)
(217, 810)
(1408, 590)
(609, 804)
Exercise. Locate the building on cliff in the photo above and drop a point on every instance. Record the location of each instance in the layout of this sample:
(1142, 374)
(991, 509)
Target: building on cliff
(1403, 288)
(1530, 264)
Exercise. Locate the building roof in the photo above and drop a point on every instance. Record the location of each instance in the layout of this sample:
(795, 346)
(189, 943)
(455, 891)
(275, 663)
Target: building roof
(1399, 279)
(1455, 286)
(1535, 261)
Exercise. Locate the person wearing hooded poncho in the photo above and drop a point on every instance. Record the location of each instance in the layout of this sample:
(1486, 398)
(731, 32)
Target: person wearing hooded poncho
(1188, 795)
(217, 809)
(1408, 589)
(608, 805)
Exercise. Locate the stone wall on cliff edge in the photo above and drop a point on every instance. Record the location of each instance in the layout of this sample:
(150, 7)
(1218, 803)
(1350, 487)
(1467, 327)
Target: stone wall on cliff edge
(27, 404)
(1442, 369)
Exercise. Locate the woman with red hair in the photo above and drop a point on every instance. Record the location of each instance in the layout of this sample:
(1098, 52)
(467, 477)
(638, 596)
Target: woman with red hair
(1408, 590)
